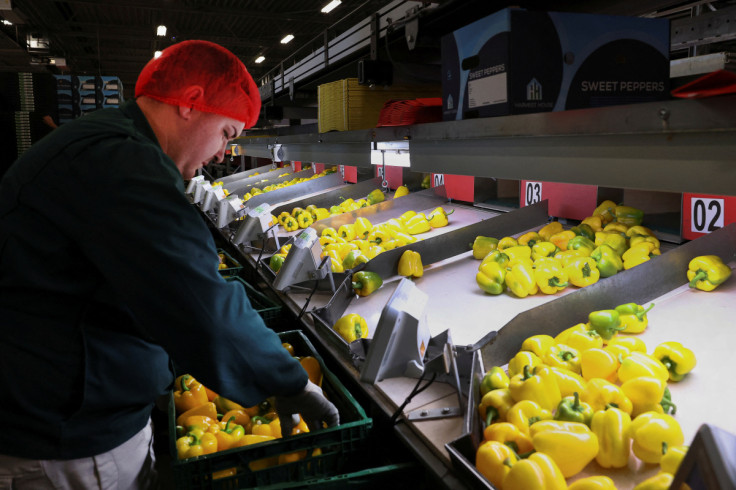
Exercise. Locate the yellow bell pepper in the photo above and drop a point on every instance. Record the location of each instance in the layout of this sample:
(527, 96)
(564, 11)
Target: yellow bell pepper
(567, 256)
(561, 238)
(550, 229)
(188, 393)
(438, 217)
(599, 394)
(599, 363)
(660, 481)
(598, 482)
(564, 336)
(538, 344)
(228, 434)
(564, 357)
(401, 191)
(305, 220)
(539, 386)
(191, 446)
(583, 339)
(582, 271)
(571, 445)
(645, 393)
(417, 225)
(550, 276)
(491, 277)
(612, 425)
(483, 245)
(521, 359)
(282, 217)
(520, 280)
(290, 224)
(507, 242)
(518, 253)
(631, 344)
(594, 222)
(510, 435)
(606, 210)
(410, 264)
(407, 216)
(320, 213)
(568, 382)
(537, 472)
(295, 212)
(329, 231)
(636, 239)
(375, 196)
(351, 327)
(707, 272)
(638, 254)
(494, 379)
(529, 239)
(526, 413)
(639, 364)
(347, 232)
(493, 460)
(649, 431)
(494, 405)
(678, 359)
(362, 227)
(615, 240)
(206, 409)
(403, 238)
(544, 249)
(672, 458)
(616, 227)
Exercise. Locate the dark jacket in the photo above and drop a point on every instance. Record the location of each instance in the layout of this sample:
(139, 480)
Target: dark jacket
(106, 270)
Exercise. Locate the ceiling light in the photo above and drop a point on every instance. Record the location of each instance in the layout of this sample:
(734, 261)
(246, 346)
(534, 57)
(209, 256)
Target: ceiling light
(161, 31)
(156, 54)
(287, 38)
(7, 22)
(260, 59)
(328, 8)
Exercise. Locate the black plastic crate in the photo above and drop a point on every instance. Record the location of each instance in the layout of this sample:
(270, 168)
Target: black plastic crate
(338, 445)
(269, 310)
(234, 268)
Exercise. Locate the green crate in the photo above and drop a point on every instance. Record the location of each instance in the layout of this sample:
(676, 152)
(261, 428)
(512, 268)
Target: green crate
(269, 310)
(390, 476)
(338, 445)
(234, 268)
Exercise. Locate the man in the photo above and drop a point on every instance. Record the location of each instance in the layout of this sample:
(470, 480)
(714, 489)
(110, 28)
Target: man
(108, 277)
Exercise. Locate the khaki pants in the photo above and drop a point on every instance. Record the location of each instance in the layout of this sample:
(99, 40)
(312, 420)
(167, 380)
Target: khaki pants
(129, 466)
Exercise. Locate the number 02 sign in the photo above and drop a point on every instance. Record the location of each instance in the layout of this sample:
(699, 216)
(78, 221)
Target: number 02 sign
(702, 213)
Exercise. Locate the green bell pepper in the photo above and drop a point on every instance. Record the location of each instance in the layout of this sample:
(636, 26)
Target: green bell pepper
(491, 277)
(633, 317)
(628, 216)
(581, 243)
(571, 409)
(607, 260)
(275, 262)
(483, 245)
(353, 259)
(365, 282)
(606, 322)
(584, 229)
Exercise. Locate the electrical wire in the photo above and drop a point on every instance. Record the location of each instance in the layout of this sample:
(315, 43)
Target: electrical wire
(314, 290)
(414, 392)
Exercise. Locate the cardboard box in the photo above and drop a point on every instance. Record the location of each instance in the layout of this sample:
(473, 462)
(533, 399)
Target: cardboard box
(516, 62)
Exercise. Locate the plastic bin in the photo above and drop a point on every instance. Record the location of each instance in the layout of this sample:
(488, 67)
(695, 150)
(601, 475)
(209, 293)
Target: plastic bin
(338, 444)
(269, 310)
(234, 268)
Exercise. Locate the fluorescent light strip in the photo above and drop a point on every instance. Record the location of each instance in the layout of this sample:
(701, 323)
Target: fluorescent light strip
(260, 59)
(330, 6)
(287, 38)
(161, 31)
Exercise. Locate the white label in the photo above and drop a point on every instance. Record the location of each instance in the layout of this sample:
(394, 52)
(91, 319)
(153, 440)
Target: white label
(219, 192)
(342, 171)
(379, 171)
(707, 214)
(487, 91)
(532, 193)
(306, 238)
(438, 180)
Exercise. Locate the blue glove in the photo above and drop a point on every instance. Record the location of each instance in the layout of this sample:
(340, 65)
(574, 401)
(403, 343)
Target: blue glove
(311, 404)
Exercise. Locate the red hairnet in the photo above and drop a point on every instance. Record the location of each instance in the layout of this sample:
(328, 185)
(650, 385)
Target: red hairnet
(229, 89)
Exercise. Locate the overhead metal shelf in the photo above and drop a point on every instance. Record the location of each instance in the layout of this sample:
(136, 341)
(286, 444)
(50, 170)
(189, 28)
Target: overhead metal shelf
(686, 145)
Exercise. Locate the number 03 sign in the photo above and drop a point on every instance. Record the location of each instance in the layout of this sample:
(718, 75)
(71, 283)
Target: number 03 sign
(703, 213)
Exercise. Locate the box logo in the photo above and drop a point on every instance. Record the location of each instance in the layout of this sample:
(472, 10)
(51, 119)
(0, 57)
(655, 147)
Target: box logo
(534, 90)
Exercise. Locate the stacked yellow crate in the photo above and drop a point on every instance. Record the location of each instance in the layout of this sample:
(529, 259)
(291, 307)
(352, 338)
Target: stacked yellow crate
(345, 105)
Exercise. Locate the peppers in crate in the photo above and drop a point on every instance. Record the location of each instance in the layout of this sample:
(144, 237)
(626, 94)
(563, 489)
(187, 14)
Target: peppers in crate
(510, 435)
(606, 322)
(550, 229)
(525, 413)
(562, 356)
(207, 409)
(522, 359)
(537, 472)
(582, 271)
(539, 386)
(633, 317)
(491, 277)
(599, 363)
(598, 482)
(493, 379)
(599, 394)
(483, 245)
(645, 393)
(493, 460)
(641, 364)
(571, 445)
(707, 272)
(628, 216)
(649, 431)
(538, 344)
(550, 276)
(375, 196)
(495, 405)
(191, 446)
(228, 434)
(611, 425)
(607, 260)
(410, 264)
(678, 359)
(365, 282)
(571, 409)
(520, 280)
(351, 327)
(188, 393)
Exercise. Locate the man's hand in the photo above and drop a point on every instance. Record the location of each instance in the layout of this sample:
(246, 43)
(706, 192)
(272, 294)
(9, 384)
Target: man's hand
(311, 404)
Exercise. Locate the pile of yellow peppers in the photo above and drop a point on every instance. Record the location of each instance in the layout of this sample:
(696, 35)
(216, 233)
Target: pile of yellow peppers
(552, 258)
(565, 401)
(207, 422)
(359, 242)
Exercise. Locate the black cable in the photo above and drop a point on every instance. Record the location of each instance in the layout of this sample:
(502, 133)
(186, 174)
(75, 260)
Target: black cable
(414, 392)
(314, 289)
(265, 242)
